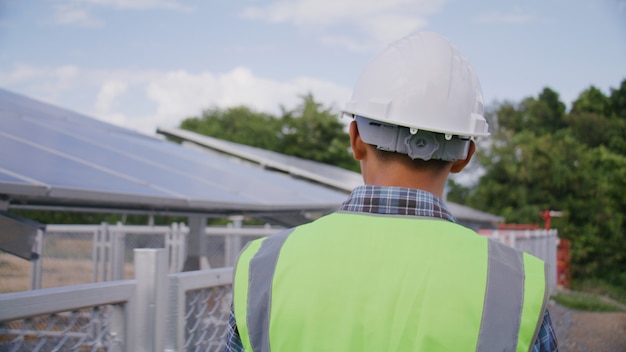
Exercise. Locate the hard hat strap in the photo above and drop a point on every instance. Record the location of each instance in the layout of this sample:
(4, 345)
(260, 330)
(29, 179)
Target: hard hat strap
(423, 145)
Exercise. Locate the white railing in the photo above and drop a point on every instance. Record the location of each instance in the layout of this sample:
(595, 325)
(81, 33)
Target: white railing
(155, 312)
(17, 309)
(538, 242)
(110, 245)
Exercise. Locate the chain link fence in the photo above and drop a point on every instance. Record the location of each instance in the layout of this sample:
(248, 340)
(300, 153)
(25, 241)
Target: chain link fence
(85, 329)
(68, 259)
(207, 314)
(129, 315)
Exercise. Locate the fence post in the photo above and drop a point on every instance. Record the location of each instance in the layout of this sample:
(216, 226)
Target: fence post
(100, 244)
(181, 238)
(175, 244)
(95, 253)
(120, 324)
(235, 247)
(196, 244)
(552, 254)
(152, 299)
(177, 317)
(36, 268)
(170, 245)
(118, 251)
(512, 239)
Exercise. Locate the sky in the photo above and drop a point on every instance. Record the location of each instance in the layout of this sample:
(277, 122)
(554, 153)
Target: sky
(144, 64)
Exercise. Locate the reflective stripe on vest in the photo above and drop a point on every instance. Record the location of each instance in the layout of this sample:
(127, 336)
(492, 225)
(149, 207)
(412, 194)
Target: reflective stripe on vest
(507, 319)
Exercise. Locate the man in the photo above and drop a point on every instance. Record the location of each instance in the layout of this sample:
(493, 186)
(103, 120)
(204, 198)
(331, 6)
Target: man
(391, 270)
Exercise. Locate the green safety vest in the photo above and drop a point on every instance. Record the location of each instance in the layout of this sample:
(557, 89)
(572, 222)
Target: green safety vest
(363, 282)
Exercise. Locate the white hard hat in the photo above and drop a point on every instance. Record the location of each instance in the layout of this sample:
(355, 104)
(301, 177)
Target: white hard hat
(421, 82)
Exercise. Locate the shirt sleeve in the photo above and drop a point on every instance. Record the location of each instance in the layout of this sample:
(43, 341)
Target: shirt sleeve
(233, 340)
(546, 339)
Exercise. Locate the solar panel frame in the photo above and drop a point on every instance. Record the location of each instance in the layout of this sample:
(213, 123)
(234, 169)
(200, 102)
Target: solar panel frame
(53, 156)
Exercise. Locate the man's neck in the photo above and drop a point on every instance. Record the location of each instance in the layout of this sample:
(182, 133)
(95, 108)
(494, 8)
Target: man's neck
(399, 175)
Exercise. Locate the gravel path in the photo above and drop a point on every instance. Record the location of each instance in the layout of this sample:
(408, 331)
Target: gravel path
(578, 331)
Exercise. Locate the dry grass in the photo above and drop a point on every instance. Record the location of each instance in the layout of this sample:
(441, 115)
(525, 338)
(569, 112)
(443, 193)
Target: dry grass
(15, 272)
(71, 248)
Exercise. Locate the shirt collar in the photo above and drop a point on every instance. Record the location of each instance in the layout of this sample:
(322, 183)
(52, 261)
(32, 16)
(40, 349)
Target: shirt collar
(396, 201)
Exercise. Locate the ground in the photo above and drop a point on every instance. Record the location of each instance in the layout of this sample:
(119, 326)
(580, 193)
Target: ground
(579, 331)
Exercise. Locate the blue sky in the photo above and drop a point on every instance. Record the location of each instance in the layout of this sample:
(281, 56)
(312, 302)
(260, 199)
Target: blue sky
(148, 63)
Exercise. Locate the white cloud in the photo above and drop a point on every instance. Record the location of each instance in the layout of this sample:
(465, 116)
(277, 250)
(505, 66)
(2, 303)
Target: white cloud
(181, 94)
(109, 91)
(378, 21)
(45, 80)
(178, 93)
(21, 72)
(163, 98)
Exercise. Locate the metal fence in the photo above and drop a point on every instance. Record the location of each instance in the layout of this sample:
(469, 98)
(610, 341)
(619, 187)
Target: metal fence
(538, 242)
(79, 254)
(155, 312)
(159, 310)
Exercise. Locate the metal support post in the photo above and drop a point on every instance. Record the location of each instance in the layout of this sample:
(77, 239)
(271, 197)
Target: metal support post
(37, 263)
(235, 238)
(196, 244)
(152, 299)
(118, 249)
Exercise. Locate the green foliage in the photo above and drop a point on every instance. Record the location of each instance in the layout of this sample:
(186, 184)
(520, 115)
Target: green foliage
(600, 287)
(313, 132)
(541, 116)
(617, 101)
(546, 113)
(238, 124)
(542, 158)
(309, 131)
(586, 302)
(592, 100)
(457, 193)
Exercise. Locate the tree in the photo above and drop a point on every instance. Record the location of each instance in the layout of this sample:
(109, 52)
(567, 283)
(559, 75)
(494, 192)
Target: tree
(598, 120)
(542, 115)
(592, 100)
(313, 132)
(237, 124)
(617, 100)
(309, 131)
(542, 158)
(588, 120)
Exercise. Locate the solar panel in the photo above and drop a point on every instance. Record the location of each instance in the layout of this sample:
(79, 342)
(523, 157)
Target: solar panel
(53, 156)
(329, 175)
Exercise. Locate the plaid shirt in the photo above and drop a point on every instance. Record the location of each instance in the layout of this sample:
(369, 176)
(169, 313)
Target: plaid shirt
(402, 201)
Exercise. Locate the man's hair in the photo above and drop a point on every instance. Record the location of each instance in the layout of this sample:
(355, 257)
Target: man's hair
(415, 164)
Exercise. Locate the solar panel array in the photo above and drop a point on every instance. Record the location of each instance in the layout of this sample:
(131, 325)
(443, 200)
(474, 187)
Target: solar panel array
(329, 175)
(55, 157)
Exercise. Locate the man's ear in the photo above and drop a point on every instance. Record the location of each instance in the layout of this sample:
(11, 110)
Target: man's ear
(459, 165)
(358, 146)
